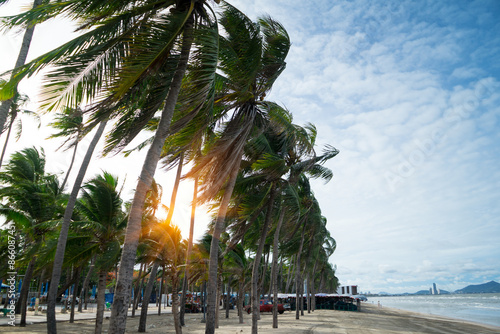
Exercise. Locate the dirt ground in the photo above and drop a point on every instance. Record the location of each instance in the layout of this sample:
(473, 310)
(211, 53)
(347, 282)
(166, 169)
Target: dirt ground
(371, 320)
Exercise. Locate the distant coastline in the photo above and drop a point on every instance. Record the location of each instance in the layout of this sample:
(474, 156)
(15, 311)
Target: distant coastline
(489, 287)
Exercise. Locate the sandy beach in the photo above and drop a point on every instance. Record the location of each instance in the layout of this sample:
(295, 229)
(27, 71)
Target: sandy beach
(371, 320)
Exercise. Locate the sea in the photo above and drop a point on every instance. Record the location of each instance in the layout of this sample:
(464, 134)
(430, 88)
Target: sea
(480, 308)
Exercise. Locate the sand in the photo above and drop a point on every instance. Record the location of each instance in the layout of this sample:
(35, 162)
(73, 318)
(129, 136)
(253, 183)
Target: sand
(371, 320)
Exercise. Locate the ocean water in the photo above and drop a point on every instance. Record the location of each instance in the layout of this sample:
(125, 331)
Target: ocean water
(481, 308)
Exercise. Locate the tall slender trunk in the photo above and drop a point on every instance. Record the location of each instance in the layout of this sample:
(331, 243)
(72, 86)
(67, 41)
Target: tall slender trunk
(136, 290)
(274, 268)
(313, 288)
(241, 296)
(289, 275)
(189, 251)
(83, 294)
(256, 262)
(297, 273)
(73, 299)
(21, 59)
(308, 292)
(214, 253)
(39, 291)
(118, 318)
(63, 234)
(219, 291)
(140, 293)
(228, 297)
(301, 295)
(70, 165)
(25, 289)
(6, 140)
(161, 290)
(175, 304)
(101, 299)
(147, 297)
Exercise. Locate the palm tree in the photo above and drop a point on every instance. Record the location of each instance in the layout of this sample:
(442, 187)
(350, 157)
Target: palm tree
(6, 104)
(130, 78)
(103, 227)
(250, 62)
(168, 249)
(16, 102)
(32, 202)
(70, 124)
(63, 234)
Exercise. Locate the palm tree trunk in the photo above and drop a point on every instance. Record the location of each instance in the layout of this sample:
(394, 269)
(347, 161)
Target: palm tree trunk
(63, 234)
(228, 299)
(175, 303)
(25, 289)
(21, 59)
(147, 297)
(274, 268)
(188, 253)
(161, 290)
(241, 296)
(297, 273)
(256, 262)
(118, 318)
(136, 289)
(73, 299)
(83, 294)
(313, 288)
(138, 297)
(101, 291)
(214, 253)
(289, 275)
(6, 140)
(70, 166)
(308, 292)
(217, 310)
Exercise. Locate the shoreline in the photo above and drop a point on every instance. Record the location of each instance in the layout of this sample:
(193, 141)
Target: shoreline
(371, 320)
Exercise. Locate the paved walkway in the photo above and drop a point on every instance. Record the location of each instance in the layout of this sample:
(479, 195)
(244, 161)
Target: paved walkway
(31, 318)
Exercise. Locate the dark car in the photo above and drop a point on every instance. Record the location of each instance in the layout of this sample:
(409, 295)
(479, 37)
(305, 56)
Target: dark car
(266, 306)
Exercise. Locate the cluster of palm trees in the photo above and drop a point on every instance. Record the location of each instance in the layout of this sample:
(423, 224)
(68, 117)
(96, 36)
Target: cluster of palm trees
(197, 82)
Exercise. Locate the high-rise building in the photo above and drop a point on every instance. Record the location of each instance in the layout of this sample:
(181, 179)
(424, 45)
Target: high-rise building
(435, 291)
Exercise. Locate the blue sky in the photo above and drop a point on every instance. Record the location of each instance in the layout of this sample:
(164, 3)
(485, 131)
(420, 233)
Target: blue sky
(409, 92)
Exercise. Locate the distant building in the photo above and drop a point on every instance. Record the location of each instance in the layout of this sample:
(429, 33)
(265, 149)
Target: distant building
(347, 290)
(434, 289)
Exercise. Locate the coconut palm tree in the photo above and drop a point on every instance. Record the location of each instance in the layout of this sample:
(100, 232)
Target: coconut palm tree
(16, 103)
(103, 227)
(63, 234)
(131, 65)
(250, 61)
(31, 200)
(168, 251)
(8, 100)
(70, 126)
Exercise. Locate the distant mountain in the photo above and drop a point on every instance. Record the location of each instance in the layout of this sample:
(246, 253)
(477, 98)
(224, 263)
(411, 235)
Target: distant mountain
(427, 292)
(490, 287)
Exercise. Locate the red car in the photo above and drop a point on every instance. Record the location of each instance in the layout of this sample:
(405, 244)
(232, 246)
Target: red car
(266, 306)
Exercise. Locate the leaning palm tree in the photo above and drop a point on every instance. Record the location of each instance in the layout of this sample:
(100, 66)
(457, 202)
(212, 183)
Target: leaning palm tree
(8, 102)
(70, 126)
(130, 65)
(13, 118)
(63, 234)
(251, 59)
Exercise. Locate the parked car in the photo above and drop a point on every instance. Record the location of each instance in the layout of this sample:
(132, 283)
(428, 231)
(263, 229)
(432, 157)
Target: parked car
(266, 306)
